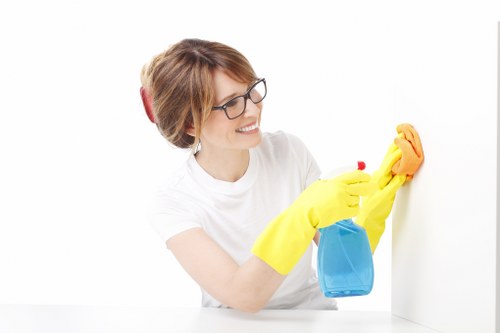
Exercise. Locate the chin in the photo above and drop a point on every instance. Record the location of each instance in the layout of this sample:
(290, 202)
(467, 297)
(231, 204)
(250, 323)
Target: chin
(254, 140)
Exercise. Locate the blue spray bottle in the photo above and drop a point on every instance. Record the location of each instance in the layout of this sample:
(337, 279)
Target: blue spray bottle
(345, 265)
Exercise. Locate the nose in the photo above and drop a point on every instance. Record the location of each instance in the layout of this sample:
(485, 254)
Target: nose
(252, 109)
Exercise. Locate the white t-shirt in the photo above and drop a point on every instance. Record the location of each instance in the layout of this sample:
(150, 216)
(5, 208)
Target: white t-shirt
(233, 214)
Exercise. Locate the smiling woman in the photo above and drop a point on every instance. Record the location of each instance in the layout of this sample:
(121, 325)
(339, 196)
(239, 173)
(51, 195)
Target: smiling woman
(180, 80)
(241, 213)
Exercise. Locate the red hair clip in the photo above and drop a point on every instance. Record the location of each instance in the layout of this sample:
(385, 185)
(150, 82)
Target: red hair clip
(148, 104)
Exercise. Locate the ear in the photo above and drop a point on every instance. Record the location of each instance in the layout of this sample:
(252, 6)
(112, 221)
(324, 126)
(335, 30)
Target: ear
(148, 104)
(190, 130)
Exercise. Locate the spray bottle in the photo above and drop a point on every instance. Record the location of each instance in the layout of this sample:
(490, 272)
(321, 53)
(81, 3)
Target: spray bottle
(345, 265)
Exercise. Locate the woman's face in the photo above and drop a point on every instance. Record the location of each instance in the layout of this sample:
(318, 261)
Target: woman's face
(222, 133)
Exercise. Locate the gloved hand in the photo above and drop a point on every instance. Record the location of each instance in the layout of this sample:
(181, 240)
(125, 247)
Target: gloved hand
(376, 208)
(401, 161)
(286, 238)
(383, 175)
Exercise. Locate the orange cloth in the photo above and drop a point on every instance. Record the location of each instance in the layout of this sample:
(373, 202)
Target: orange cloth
(412, 157)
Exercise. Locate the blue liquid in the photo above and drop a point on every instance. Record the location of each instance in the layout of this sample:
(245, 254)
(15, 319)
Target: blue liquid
(345, 265)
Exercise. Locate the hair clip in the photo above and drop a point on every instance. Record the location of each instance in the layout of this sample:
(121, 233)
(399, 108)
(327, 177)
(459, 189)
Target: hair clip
(148, 105)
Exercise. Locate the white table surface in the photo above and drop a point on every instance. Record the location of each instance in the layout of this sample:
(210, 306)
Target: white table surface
(72, 319)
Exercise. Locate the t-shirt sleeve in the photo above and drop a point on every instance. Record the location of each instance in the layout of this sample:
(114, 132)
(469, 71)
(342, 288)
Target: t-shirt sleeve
(171, 214)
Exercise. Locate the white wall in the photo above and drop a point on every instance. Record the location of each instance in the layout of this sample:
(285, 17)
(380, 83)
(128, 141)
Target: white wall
(445, 237)
(497, 321)
(80, 161)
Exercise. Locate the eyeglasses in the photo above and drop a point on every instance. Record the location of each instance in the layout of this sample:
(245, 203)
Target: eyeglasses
(237, 105)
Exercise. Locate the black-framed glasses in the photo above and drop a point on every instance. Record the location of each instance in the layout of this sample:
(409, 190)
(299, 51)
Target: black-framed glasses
(237, 105)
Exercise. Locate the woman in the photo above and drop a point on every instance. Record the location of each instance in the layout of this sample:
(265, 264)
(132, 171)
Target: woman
(241, 213)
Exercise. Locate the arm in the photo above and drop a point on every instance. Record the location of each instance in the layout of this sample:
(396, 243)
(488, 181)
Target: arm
(401, 162)
(247, 287)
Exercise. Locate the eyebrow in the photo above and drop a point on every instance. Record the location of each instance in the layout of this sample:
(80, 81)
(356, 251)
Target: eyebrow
(233, 95)
(227, 98)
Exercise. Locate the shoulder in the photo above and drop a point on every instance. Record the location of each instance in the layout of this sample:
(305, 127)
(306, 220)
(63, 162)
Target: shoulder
(175, 191)
(280, 137)
(280, 143)
(174, 208)
(282, 148)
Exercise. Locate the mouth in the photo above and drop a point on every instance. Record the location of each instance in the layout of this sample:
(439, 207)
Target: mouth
(248, 128)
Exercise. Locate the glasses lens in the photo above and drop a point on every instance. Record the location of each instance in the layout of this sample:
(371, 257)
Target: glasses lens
(235, 107)
(258, 92)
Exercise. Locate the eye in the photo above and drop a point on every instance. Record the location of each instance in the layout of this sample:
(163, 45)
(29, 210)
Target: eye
(231, 103)
(255, 95)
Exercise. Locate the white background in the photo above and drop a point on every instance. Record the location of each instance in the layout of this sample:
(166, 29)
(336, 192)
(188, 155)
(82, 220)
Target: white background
(445, 240)
(80, 160)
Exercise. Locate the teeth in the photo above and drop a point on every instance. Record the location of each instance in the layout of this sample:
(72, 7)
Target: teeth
(248, 128)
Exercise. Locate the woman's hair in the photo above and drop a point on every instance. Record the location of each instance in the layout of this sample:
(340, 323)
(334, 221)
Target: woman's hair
(180, 84)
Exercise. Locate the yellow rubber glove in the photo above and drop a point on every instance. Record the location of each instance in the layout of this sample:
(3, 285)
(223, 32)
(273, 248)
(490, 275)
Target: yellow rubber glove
(376, 208)
(404, 158)
(383, 175)
(324, 202)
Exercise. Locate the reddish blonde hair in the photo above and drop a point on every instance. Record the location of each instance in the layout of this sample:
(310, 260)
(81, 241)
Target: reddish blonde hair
(179, 82)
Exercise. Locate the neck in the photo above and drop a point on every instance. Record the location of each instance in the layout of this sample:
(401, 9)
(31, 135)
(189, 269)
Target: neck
(227, 166)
